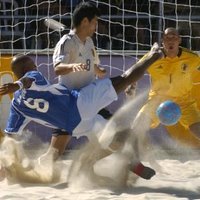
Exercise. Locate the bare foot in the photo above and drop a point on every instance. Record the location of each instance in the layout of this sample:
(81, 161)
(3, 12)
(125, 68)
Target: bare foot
(155, 49)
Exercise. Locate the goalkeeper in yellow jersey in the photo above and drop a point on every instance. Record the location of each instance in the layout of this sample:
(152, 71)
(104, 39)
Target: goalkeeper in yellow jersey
(173, 77)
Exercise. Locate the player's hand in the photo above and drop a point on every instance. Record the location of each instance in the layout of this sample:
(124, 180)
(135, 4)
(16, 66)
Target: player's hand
(8, 88)
(79, 67)
(100, 72)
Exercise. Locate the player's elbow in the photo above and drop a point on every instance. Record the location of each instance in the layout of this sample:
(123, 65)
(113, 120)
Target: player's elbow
(61, 70)
(57, 71)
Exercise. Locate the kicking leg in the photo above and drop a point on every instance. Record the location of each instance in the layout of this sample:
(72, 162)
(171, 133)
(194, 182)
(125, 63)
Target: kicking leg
(134, 73)
(127, 144)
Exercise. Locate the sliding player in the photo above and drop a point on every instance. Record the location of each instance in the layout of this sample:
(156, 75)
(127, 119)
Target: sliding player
(35, 99)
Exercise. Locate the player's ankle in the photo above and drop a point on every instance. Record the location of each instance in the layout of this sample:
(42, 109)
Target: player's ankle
(138, 168)
(143, 171)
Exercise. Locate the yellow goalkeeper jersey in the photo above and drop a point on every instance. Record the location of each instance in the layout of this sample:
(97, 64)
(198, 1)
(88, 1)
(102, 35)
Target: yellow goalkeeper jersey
(175, 77)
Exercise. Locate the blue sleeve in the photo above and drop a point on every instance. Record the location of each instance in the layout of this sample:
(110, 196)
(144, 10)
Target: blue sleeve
(16, 122)
(39, 79)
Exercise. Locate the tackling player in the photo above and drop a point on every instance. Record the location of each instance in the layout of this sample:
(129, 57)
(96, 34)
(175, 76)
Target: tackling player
(35, 99)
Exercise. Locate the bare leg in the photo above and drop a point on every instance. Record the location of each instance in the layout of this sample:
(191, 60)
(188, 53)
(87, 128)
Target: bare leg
(60, 142)
(133, 74)
(2, 173)
(56, 149)
(136, 144)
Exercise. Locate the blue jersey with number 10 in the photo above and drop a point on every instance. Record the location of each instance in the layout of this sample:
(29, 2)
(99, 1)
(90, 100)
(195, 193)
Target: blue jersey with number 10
(50, 105)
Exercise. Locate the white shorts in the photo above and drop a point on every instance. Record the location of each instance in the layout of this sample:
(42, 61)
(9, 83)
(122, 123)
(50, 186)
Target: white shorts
(94, 97)
(91, 100)
(90, 127)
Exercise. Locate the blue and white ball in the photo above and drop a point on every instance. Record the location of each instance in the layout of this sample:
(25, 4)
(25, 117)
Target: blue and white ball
(168, 112)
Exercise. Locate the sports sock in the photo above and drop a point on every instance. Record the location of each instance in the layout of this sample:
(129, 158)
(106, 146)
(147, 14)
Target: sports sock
(143, 171)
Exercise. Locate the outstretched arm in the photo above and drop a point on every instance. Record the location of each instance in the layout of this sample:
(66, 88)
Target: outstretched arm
(23, 83)
(62, 69)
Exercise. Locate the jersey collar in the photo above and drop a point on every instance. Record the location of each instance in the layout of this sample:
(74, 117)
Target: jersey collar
(178, 55)
(179, 52)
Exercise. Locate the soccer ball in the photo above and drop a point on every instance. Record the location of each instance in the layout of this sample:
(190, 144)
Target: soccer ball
(168, 113)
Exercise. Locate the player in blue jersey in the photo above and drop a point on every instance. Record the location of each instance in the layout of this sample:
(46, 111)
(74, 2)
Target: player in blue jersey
(35, 99)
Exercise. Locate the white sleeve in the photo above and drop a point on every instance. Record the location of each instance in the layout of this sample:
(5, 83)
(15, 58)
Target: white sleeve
(62, 51)
(96, 58)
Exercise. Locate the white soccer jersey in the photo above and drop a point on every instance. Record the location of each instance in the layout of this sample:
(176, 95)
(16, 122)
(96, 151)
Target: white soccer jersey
(70, 49)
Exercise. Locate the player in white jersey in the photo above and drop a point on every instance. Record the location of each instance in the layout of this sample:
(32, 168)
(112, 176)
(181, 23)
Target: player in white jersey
(56, 106)
(75, 59)
(71, 56)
